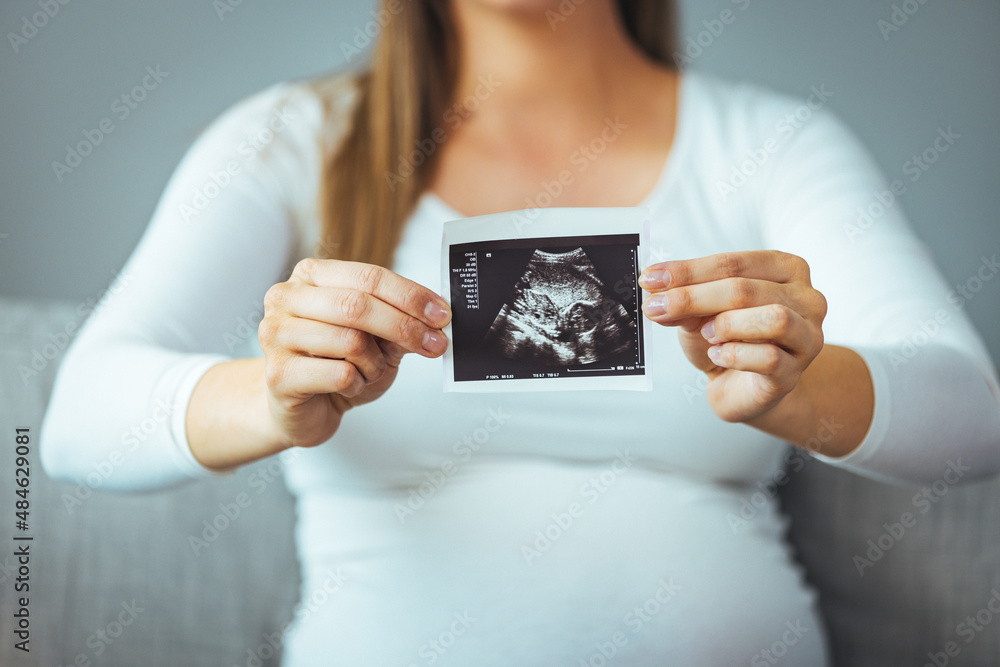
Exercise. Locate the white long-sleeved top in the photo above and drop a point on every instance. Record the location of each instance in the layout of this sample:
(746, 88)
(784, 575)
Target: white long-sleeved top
(533, 529)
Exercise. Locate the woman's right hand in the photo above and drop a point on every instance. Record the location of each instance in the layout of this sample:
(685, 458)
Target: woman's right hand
(333, 336)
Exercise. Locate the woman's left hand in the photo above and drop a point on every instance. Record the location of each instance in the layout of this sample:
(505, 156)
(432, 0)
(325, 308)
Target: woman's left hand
(751, 320)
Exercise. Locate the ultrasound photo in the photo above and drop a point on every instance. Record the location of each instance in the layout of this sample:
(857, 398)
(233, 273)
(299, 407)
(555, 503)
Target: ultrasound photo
(545, 313)
(546, 300)
(560, 313)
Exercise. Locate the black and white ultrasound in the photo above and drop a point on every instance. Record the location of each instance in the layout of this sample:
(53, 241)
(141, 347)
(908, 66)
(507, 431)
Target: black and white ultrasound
(545, 308)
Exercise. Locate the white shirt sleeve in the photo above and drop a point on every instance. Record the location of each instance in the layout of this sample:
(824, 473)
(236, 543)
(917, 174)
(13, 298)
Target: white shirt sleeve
(225, 229)
(937, 403)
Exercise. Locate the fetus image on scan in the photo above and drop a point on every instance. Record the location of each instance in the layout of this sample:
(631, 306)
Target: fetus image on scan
(561, 314)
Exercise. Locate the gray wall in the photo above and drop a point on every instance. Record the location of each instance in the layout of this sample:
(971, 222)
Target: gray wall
(70, 238)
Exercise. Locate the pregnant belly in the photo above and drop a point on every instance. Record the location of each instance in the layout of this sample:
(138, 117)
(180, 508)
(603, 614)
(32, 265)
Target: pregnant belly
(533, 563)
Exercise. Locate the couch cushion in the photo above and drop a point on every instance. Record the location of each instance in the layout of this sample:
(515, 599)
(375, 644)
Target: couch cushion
(108, 554)
(900, 569)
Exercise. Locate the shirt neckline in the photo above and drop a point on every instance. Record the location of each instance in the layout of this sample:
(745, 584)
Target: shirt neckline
(665, 178)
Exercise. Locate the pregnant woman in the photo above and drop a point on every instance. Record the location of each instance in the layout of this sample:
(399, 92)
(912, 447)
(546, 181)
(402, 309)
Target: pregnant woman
(545, 529)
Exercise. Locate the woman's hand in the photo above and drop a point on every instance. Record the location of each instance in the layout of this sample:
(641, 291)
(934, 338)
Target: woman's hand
(750, 320)
(333, 336)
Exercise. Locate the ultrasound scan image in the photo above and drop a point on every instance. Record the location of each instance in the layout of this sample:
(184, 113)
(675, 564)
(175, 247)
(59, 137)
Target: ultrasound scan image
(561, 314)
(542, 308)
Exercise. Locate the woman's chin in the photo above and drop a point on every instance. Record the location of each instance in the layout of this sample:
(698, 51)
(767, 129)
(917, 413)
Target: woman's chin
(518, 6)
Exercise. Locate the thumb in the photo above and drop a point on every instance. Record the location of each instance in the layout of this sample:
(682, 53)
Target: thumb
(392, 351)
(693, 344)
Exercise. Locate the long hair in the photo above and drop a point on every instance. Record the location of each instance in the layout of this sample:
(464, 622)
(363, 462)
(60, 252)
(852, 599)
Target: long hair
(371, 183)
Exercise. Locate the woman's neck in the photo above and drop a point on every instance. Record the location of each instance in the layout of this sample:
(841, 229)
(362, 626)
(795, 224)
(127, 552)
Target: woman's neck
(578, 64)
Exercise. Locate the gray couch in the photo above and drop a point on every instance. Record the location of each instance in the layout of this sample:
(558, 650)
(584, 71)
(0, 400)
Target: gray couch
(115, 579)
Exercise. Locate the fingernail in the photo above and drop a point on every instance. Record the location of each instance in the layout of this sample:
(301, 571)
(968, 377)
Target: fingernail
(708, 330)
(654, 279)
(655, 305)
(714, 353)
(434, 342)
(435, 313)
